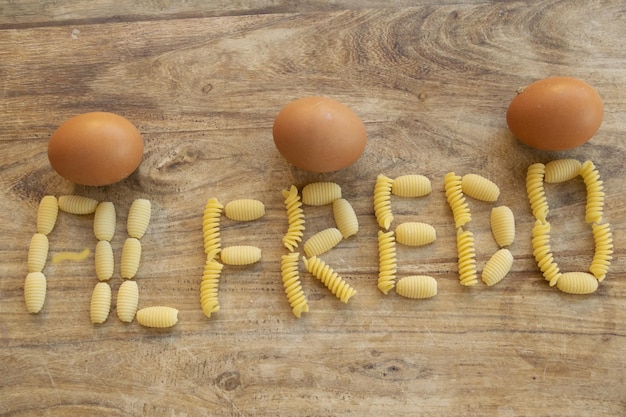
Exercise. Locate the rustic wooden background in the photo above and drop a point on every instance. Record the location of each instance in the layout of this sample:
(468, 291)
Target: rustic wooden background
(203, 82)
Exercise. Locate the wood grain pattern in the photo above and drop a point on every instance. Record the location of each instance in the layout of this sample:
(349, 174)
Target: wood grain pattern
(203, 82)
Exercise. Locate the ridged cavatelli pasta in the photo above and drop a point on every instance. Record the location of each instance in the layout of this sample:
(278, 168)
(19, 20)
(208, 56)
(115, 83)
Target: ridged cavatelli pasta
(456, 200)
(387, 263)
(602, 256)
(244, 210)
(37, 252)
(479, 187)
(415, 234)
(345, 218)
(211, 226)
(318, 268)
(77, 204)
(47, 213)
(291, 282)
(240, 255)
(295, 218)
(127, 301)
(417, 287)
(411, 186)
(536, 192)
(497, 267)
(209, 286)
(104, 260)
(577, 283)
(382, 201)
(131, 256)
(595, 193)
(138, 217)
(322, 241)
(35, 291)
(543, 253)
(104, 221)
(157, 316)
(502, 223)
(561, 170)
(100, 303)
(320, 193)
(468, 275)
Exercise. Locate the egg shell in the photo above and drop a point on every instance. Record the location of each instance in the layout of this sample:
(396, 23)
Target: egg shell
(318, 134)
(96, 148)
(556, 113)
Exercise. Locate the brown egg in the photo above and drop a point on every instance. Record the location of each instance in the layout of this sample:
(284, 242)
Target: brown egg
(96, 148)
(318, 134)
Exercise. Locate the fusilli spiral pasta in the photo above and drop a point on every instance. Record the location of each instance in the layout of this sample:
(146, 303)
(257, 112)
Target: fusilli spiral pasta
(295, 218)
(561, 170)
(35, 291)
(138, 217)
(127, 301)
(411, 186)
(104, 221)
(77, 204)
(595, 193)
(415, 234)
(318, 268)
(417, 287)
(209, 301)
(603, 240)
(131, 256)
(535, 191)
(37, 252)
(345, 218)
(320, 193)
(543, 253)
(157, 316)
(456, 200)
(387, 264)
(104, 260)
(100, 303)
(468, 275)
(244, 210)
(502, 223)
(497, 267)
(382, 201)
(47, 213)
(211, 226)
(240, 255)
(577, 283)
(479, 187)
(322, 241)
(292, 285)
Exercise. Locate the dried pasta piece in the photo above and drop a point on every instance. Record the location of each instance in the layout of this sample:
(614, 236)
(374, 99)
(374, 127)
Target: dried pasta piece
(345, 218)
(543, 253)
(382, 201)
(37, 252)
(104, 260)
(322, 241)
(318, 268)
(291, 282)
(456, 200)
(577, 283)
(502, 223)
(561, 170)
(209, 301)
(497, 267)
(320, 193)
(244, 210)
(77, 204)
(479, 187)
(138, 217)
(602, 256)
(157, 316)
(417, 287)
(104, 221)
(127, 301)
(415, 234)
(240, 255)
(71, 256)
(47, 213)
(595, 193)
(411, 186)
(535, 191)
(387, 264)
(211, 226)
(295, 219)
(100, 303)
(131, 256)
(35, 291)
(468, 275)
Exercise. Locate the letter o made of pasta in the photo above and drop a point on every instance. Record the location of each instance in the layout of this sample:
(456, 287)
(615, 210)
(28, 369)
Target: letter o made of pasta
(415, 234)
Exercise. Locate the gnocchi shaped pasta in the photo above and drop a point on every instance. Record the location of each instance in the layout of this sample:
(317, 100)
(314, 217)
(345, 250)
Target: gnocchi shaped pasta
(387, 264)
(468, 275)
(245, 209)
(104, 221)
(415, 234)
(104, 260)
(127, 301)
(382, 201)
(35, 291)
(291, 283)
(138, 217)
(131, 256)
(577, 283)
(157, 316)
(322, 241)
(100, 303)
(47, 213)
(497, 267)
(320, 193)
(479, 187)
(241, 255)
(456, 200)
(38, 252)
(209, 301)
(345, 218)
(411, 186)
(561, 170)
(595, 193)
(502, 223)
(77, 204)
(417, 287)
(336, 284)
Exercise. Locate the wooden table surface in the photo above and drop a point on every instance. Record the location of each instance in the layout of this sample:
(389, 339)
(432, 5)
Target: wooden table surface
(203, 82)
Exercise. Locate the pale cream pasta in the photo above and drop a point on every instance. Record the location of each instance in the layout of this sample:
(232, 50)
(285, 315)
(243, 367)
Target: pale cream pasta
(577, 283)
(37, 252)
(456, 200)
(417, 287)
(157, 316)
(209, 301)
(415, 234)
(131, 257)
(35, 291)
(536, 192)
(479, 187)
(603, 241)
(320, 193)
(127, 301)
(387, 262)
(411, 186)
(502, 222)
(382, 201)
(497, 267)
(47, 213)
(138, 217)
(77, 204)
(292, 285)
(104, 260)
(100, 303)
(561, 170)
(595, 193)
(240, 255)
(468, 274)
(104, 221)
(245, 209)
(331, 279)
(345, 218)
(322, 241)
(295, 219)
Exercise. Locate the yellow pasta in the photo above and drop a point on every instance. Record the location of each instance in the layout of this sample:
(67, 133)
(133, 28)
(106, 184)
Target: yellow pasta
(602, 256)
(417, 287)
(382, 201)
(322, 241)
(295, 219)
(71, 256)
(104, 221)
(127, 301)
(77, 204)
(535, 191)
(497, 267)
(318, 268)
(502, 223)
(209, 301)
(47, 214)
(138, 217)
(320, 193)
(240, 255)
(131, 256)
(100, 303)
(104, 260)
(211, 226)
(411, 186)
(561, 170)
(345, 218)
(37, 252)
(466, 257)
(595, 193)
(292, 285)
(543, 253)
(157, 316)
(479, 187)
(387, 265)
(577, 283)
(456, 200)
(245, 209)
(35, 291)
(415, 234)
